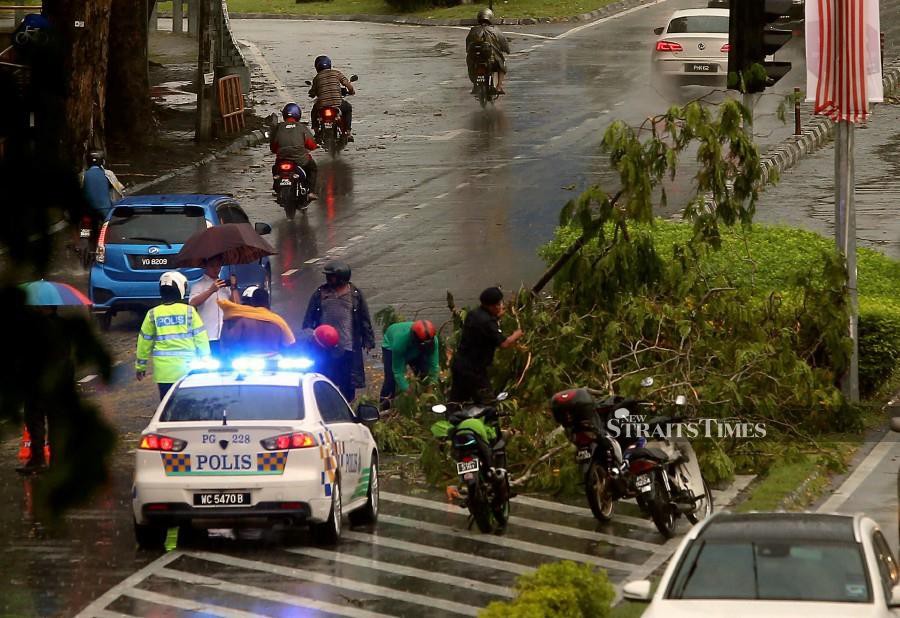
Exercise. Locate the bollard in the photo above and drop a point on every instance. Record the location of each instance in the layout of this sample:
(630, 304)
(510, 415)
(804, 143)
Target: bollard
(796, 111)
(177, 17)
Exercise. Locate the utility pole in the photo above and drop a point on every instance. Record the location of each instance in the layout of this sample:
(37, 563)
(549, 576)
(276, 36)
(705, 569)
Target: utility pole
(203, 122)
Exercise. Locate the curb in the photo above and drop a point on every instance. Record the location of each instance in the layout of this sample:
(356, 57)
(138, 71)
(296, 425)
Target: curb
(818, 133)
(605, 11)
(254, 138)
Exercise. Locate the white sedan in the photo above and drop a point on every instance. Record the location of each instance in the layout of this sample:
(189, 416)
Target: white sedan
(776, 565)
(693, 48)
(255, 443)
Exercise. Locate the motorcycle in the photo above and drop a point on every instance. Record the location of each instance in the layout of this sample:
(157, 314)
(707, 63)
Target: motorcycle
(328, 126)
(85, 246)
(662, 475)
(484, 77)
(291, 184)
(479, 449)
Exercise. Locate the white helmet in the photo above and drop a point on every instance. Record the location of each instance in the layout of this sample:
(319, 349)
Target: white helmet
(175, 279)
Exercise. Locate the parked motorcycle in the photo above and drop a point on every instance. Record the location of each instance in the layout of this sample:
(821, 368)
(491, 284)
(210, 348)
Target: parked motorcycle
(291, 184)
(328, 126)
(479, 450)
(662, 475)
(484, 78)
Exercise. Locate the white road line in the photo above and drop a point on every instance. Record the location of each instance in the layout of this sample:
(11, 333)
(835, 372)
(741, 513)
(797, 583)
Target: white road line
(337, 582)
(499, 165)
(481, 175)
(132, 580)
(438, 552)
(462, 185)
(267, 594)
(186, 604)
(579, 510)
(399, 569)
(526, 546)
(872, 461)
(288, 273)
(441, 196)
(355, 239)
(527, 523)
(267, 69)
(378, 227)
(619, 103)
(420, 206)
(402, 215)
(87, 379)
(312, 260)
(592, 24)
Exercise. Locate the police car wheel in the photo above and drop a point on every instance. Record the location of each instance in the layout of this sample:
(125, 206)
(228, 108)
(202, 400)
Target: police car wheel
(150, 537)
(329, 533)
(369, 513)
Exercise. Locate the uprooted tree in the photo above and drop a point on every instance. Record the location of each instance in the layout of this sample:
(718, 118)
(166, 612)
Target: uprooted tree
(625, 306)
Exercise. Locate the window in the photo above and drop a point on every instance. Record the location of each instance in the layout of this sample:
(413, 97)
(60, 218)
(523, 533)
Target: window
(232, 213)
(235, 402)
(698, 24)
(887, 565)
(332, 406)
(777, 570)
(152, 228)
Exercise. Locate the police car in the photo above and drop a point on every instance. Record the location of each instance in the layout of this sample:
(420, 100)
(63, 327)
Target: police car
(256, 442)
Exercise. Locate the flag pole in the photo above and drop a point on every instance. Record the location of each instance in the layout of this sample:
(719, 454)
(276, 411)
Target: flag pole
(845, 213)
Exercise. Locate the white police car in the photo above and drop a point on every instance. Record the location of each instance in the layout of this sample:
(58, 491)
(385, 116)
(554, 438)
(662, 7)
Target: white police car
(255, 443)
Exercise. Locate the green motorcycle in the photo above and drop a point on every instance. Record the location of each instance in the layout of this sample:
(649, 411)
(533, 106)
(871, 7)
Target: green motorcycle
(479, 450)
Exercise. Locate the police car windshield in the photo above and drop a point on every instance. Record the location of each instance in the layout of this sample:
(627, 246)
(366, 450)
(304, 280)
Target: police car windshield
(240, 402)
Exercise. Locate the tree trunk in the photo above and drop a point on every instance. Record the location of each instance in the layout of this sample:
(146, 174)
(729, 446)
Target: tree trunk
(83, 30)
(128, 110)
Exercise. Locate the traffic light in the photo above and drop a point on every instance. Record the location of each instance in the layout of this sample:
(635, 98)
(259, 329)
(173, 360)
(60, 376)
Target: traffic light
(751, 40)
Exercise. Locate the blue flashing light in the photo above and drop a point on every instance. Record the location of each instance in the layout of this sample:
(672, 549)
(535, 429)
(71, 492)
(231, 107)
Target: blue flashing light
(205, 363)
(299, 363)
(247, 364)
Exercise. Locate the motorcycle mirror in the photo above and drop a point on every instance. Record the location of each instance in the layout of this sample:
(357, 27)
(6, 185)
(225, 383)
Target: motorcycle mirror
(502, 396)
(680, 400)
(353, 78)
(439, 408)
(622, 413)
(308, 83)
(648, 381)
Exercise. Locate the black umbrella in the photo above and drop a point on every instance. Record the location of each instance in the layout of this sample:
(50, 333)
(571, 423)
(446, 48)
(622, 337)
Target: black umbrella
(232, 243)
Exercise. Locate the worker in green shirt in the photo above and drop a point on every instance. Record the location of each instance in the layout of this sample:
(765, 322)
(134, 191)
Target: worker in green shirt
(407, 344)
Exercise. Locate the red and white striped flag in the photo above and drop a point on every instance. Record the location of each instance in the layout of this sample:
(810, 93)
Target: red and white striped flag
(843, 57)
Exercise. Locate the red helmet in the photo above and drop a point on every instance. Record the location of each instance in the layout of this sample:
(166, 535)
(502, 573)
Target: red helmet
(423, 331)
(327, 336)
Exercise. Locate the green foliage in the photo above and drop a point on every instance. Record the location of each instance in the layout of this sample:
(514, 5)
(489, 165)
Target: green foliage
(557, 590)
(409, 6)
(387, 316)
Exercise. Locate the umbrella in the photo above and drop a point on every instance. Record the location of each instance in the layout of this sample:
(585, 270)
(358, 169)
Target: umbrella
(53, 294)
(233, 243)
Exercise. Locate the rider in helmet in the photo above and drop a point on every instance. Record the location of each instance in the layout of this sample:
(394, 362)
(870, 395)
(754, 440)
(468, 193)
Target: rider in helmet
(408, 344)
(326, 89)
(293, 141)
(340, 304)
(100, 185)
(485, 32)
(172, 333)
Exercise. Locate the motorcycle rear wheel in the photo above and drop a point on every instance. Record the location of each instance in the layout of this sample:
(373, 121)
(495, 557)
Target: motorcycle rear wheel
(480, 508)
(704, 506)
(287, 201)
(596, 488)
(661, 511)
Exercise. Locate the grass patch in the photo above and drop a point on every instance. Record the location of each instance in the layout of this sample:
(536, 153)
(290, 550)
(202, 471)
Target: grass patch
(508, 9)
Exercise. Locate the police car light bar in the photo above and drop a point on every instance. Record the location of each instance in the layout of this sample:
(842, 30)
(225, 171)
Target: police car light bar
(205, 363)
(251, 364)
(295, 363)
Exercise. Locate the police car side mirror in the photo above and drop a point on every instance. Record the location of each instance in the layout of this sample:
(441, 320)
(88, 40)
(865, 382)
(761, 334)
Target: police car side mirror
(367, 413)
(262, 228)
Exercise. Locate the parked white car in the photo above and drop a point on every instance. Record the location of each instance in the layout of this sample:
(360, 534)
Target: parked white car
(776, 565)
(692, 48)
(255, 443)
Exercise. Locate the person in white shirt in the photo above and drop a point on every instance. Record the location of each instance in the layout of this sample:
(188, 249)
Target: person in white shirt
(205, 295)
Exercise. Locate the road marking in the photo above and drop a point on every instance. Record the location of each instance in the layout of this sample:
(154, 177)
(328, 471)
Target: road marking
(402, 215)
(355, 239)
(462, 185)
(526, 546)
(116, 591)
(87, 379)
(191, 606)
(865, 467)
(267, 594)
(438, 552)
(603, 20)
(399, 569)
(380, 226)
(420, 206)
(312, 260)
(481, 175)
(526, 523)
(288, 273)
(338, 582)
(619, 103)
(441, 196)
(499, 165)
(579, 510)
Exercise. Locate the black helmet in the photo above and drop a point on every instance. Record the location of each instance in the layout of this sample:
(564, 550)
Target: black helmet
(291, 110)
(96, 157)
(337, 270)
(322, 62)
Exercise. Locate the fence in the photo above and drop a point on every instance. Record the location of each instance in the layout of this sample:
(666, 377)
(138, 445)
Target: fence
(231, 103)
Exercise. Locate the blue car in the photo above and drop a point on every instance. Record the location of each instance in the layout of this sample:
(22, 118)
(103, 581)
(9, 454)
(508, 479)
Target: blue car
(140, 238)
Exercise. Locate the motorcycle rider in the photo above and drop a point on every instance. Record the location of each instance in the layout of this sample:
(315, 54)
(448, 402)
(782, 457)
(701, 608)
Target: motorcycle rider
(100, 185)
(486, 32)
(326, 89)
(293, 141)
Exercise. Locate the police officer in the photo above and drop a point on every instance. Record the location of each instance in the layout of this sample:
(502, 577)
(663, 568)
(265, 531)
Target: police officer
(481, 336)
(172, 333)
